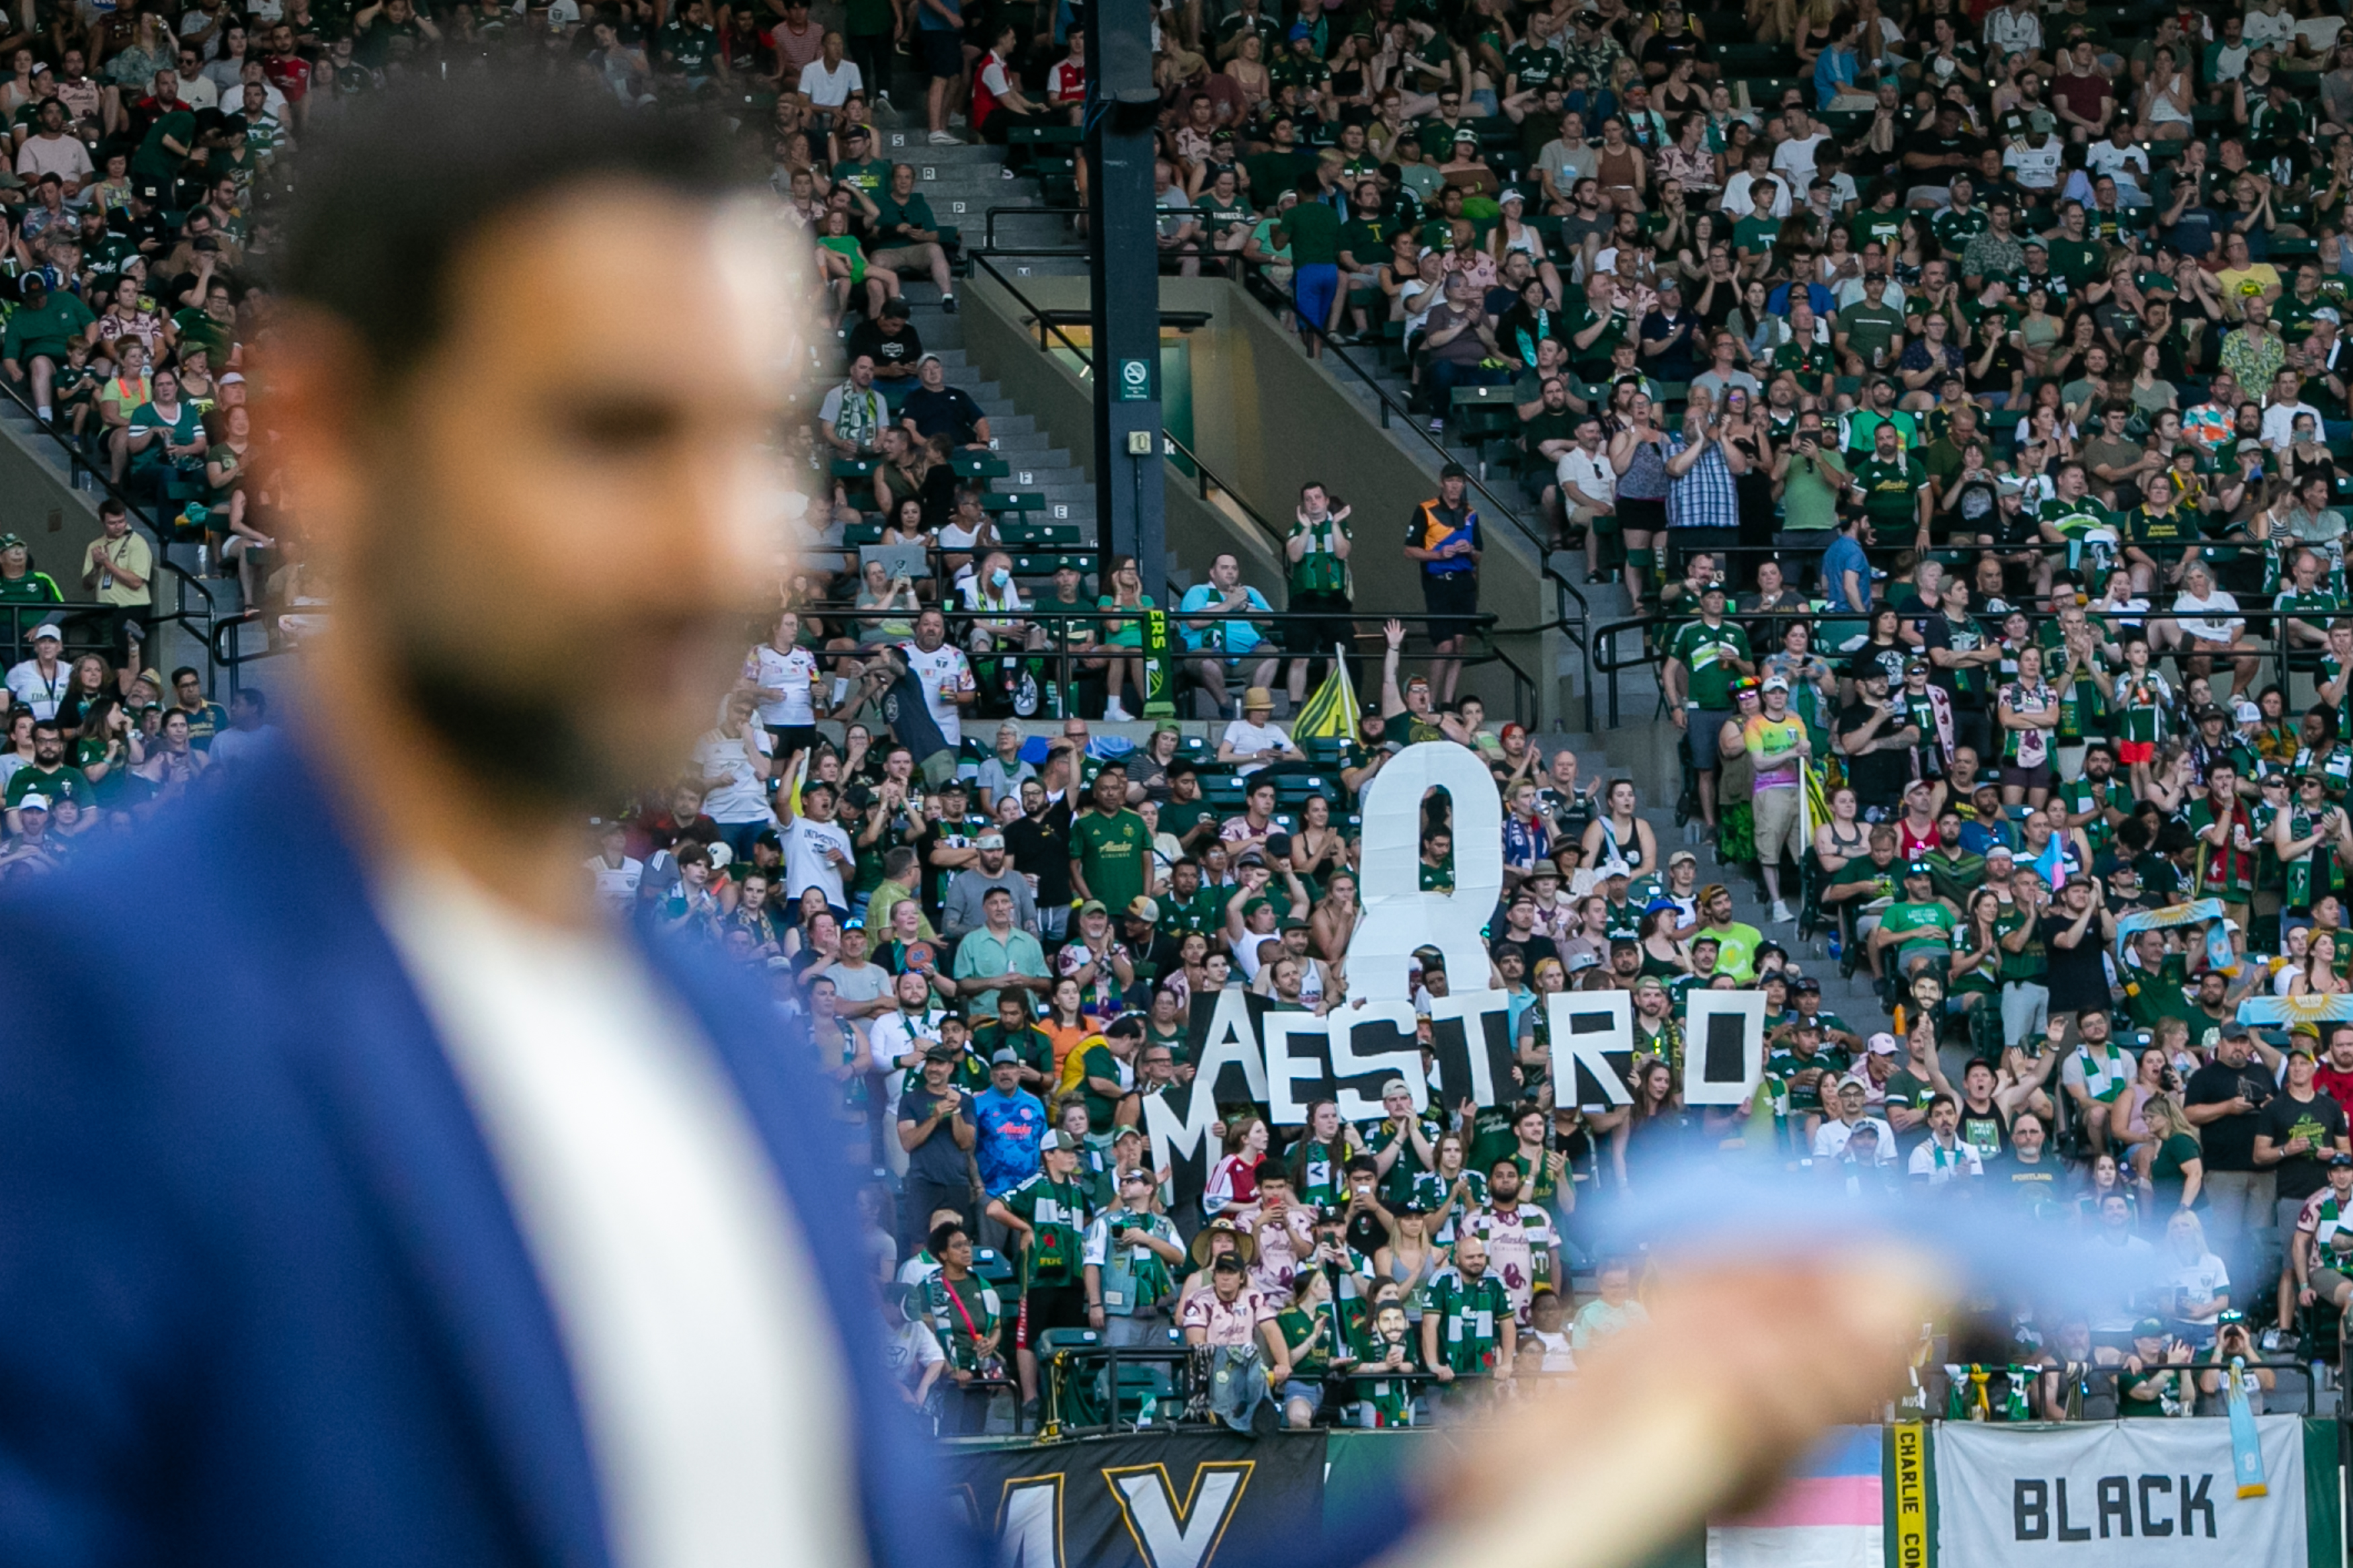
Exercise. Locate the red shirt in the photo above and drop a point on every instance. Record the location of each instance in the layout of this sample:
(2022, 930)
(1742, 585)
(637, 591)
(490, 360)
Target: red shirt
(2338, 1086)
(289, 74)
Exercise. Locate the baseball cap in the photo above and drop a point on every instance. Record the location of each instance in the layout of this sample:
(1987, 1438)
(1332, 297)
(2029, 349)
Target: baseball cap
(2148, 1329)
(1682, 855)
(1142, 908)
(941, 1054)
(1803, 984)
(1454, 471)
(1093, 907)
(34, 801)
(12, 541)
(1396, 1086)
(1776, 683)
(1882, 1044)
(1058, 1141)
(1006, 1056)
(47, 629)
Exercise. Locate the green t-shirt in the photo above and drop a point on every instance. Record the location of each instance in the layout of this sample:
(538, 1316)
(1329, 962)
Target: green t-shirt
(1756, 235)
(1707, 652)
(1097, 1061)
(1311, 230)
(1060, 1212)
(1112, 853)
(154, 161)
(2078, 261)
(1925, 927)
(1871, 331)
(61, 318)
(1784, 1067)
(873, 176)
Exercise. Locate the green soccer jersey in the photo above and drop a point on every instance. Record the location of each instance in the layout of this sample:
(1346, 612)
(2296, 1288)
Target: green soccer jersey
(1707, 652)
(2026, 965)
(1785, 1065)
(1806, 359)
(1470, 1314)
(1403, 1180)
(1536, 66)
(1114, 854)
(2168, 531)
(2077, 520)
(1059, 1212)
(2334, 766)
(2142, 707)
(1955, 228)
(2083, 795)
(1891, 489)
(2151, 998)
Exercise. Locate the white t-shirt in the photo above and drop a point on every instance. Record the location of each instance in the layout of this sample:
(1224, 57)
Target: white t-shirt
(944, 669)
(732, 790)
(1830, 1139)
(1245, 736)
(676, 1271)
(2279, 423)
(805, 865)
(792, 673)
(1795, 159)
(830, 89)
(40, 692)
(64, 156)
(2214, 618)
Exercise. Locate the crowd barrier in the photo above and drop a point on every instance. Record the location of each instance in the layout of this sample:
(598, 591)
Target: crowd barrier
(2146, 1493)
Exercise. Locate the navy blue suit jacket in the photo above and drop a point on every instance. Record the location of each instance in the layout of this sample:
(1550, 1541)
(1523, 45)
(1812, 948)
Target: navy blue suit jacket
(262, 1301)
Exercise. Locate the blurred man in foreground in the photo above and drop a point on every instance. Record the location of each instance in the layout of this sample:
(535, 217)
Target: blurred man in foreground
(446, 1225)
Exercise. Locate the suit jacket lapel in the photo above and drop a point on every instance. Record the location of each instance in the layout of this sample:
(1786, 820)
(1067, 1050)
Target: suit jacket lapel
(355, 1036)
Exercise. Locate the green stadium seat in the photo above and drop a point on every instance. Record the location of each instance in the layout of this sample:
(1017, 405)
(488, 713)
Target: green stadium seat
(854, 534)
(978, 466)
(1013, 500)
(855, 467)
(1046, 565)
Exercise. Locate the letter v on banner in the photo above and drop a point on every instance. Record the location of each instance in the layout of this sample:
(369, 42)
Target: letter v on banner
(1173, 1535)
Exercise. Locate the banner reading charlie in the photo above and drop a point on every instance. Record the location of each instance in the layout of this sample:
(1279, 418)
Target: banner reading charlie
(2146, 1494)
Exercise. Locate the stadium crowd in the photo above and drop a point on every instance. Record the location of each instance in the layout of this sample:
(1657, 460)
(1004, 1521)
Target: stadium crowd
(1971, 412)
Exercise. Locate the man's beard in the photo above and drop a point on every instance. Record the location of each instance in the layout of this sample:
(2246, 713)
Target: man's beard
(529, 744)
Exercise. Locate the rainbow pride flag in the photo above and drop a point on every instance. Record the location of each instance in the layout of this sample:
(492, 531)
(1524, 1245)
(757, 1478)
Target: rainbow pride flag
(1826, 1515)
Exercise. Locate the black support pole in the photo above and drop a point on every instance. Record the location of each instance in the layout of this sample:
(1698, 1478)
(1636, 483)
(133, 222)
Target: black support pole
(1124, 267)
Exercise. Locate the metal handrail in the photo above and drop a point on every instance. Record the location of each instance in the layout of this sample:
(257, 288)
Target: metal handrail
(1602, 658)
(1541, 543)
(182, 579)
(1204, 477)
(1052, 615)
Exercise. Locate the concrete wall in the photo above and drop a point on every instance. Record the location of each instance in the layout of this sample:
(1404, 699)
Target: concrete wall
(999, 336)
(1267, 420)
